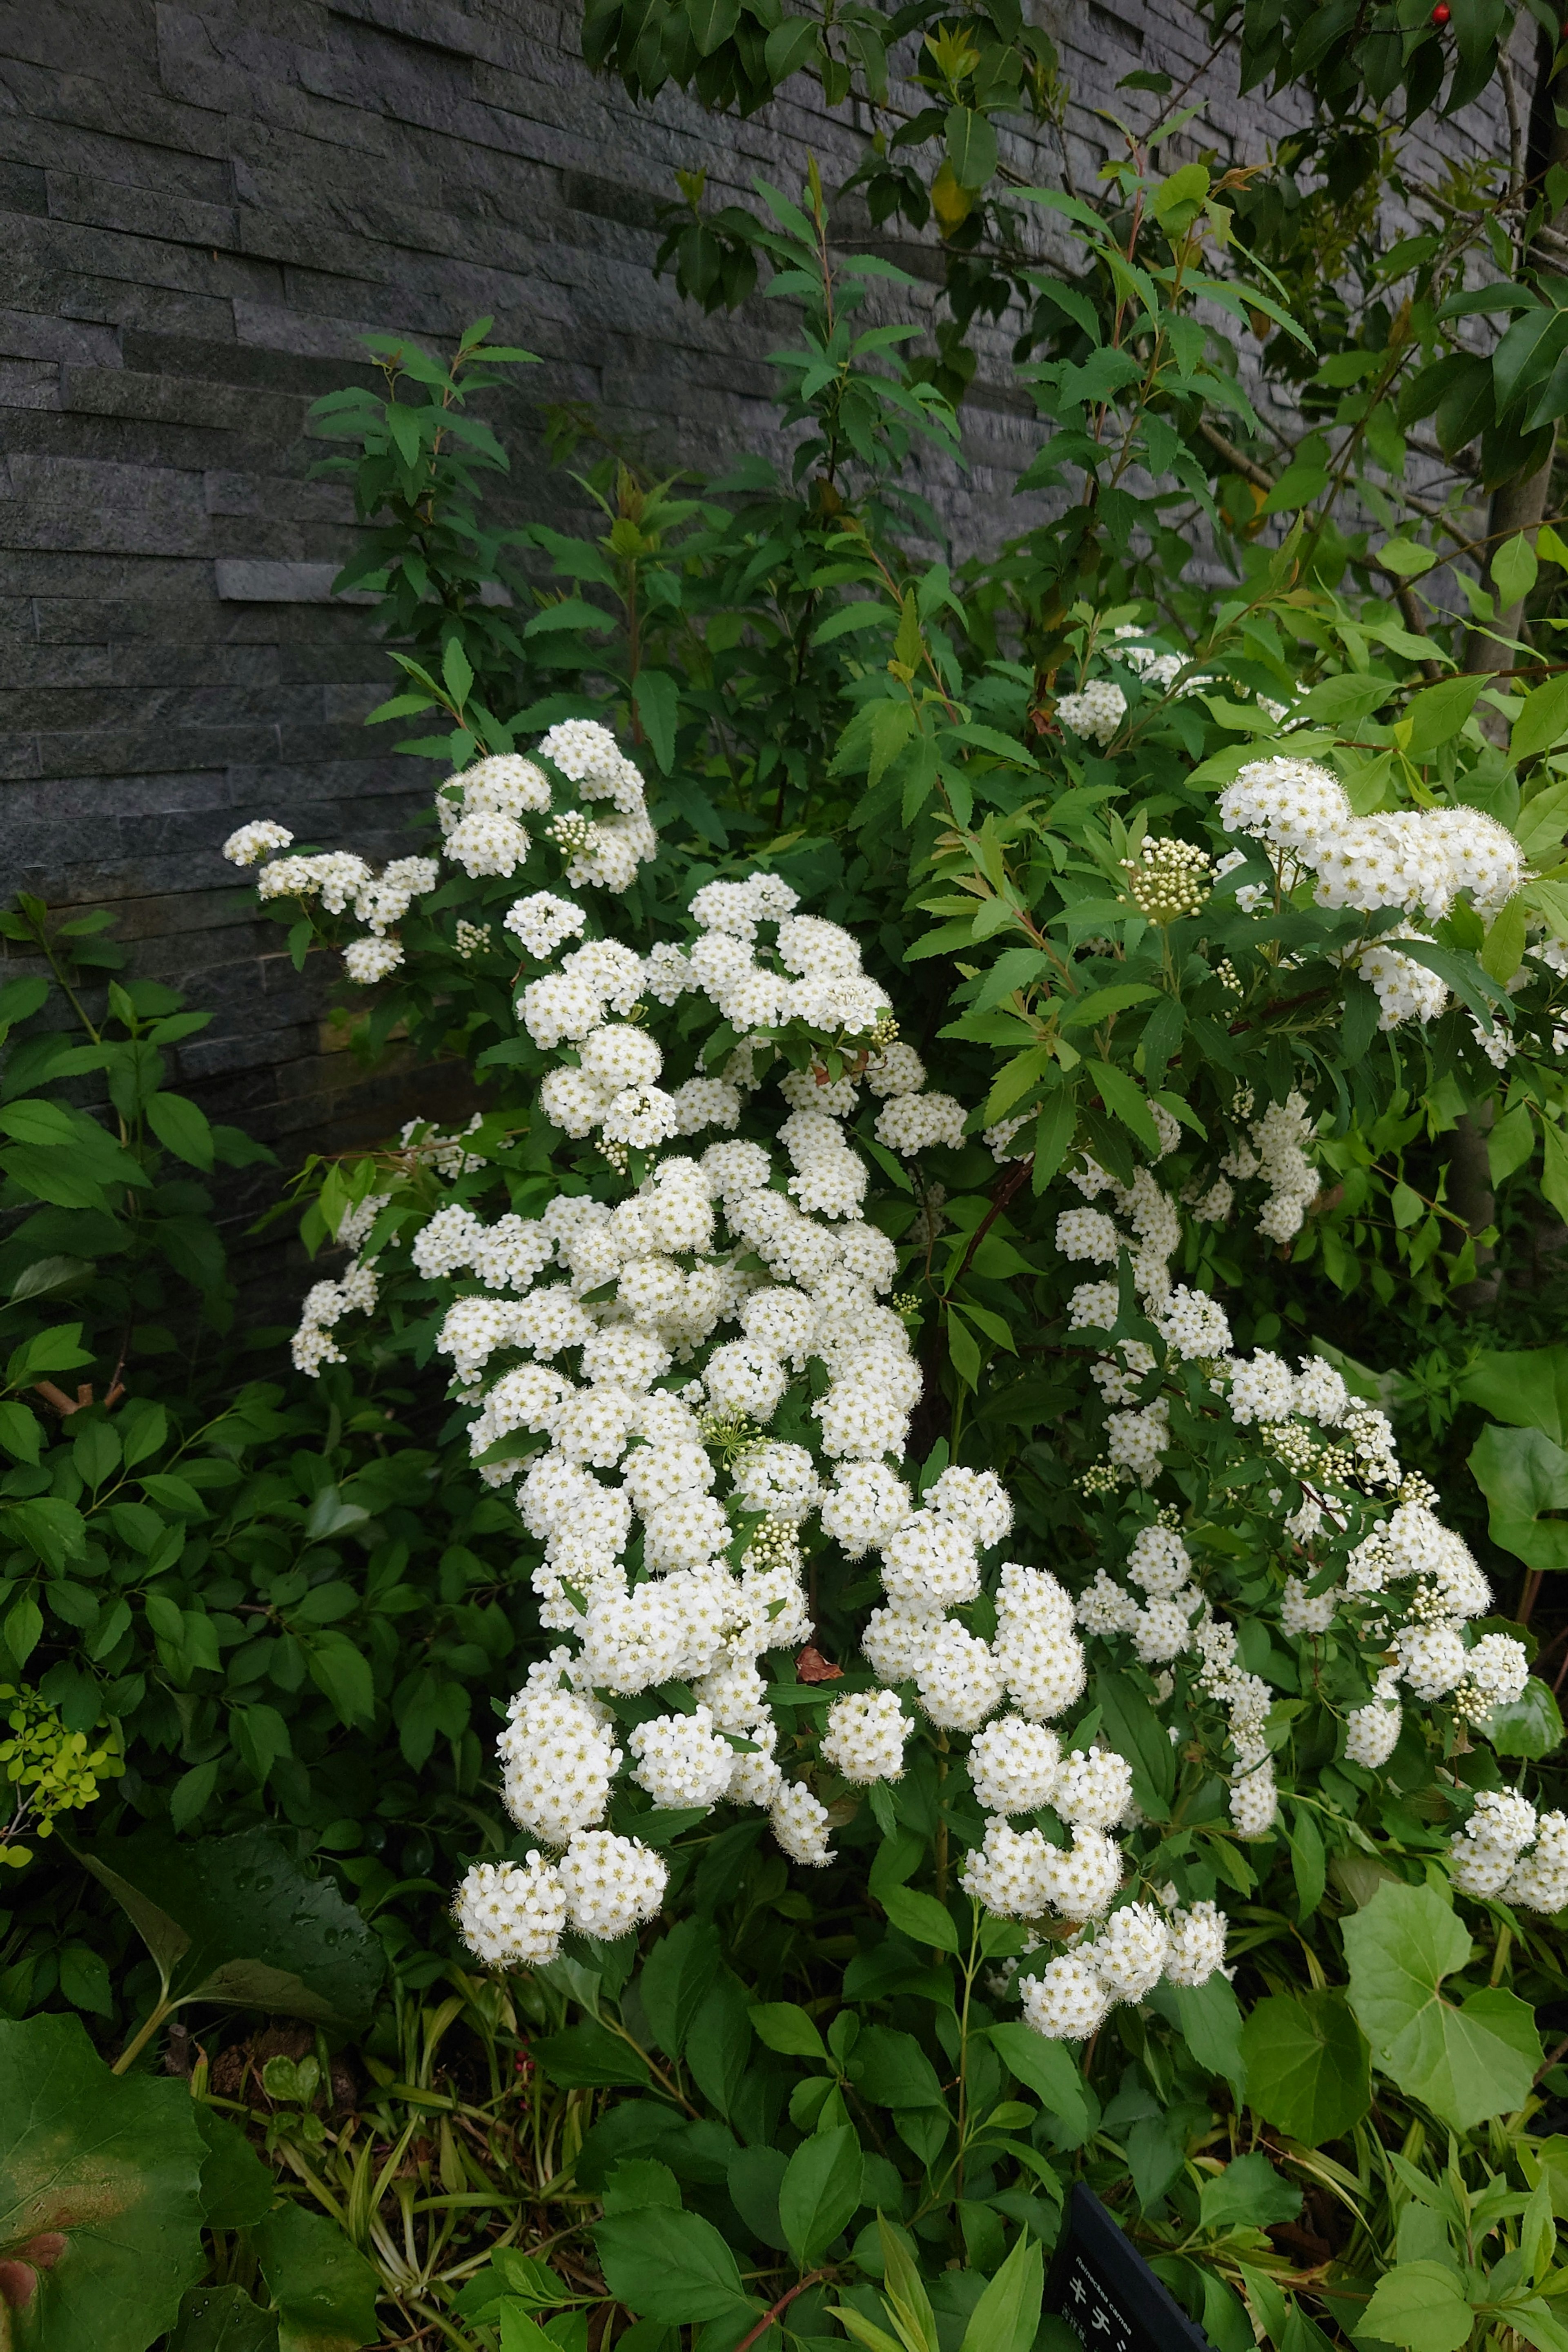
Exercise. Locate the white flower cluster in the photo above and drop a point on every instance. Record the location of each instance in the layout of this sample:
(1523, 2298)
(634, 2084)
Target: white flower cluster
(484, 815)
(1417, 861)
(1123, 1961)
(603, 1886)
(1154, 668)
(1409, 1586)
(1095, 713)
(1507, 1852)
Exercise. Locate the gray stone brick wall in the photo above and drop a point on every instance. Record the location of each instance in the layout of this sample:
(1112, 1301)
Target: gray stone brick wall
(205, 205)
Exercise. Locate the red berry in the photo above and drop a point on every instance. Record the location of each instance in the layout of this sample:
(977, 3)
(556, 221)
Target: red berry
(1440, 15)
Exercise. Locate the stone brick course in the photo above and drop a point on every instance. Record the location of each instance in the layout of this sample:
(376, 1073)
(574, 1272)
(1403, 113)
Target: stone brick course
(205, 205)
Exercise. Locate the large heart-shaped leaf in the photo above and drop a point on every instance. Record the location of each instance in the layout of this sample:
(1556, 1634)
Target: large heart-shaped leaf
(100, 2210)
(323, 2288)
(1467, 2060)
(236, 1920)
(1523, 1476)
(1308, 2065)
(1525, 1386)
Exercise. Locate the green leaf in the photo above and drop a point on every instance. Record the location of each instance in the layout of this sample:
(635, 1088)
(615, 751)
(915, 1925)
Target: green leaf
(1049, 2070)
(1526, 1386)
(1437, 714)
(1088, 1012)
(1187, 186)
(1554, 1167)
(590, 2056)
(1125, 1100)
(237, 2189)
(820, 2192)
(1523, 1475)
(1308, 2065)
(1248, 2193)
(890, 2069)
(1422, 2305)
(100, 2210)
(971, 147)
(657, 701)
(780, 2025)
(235, 1920)
(181, 1128)
(1514, 569)
(1542, 723)
(46, 1274)
(921, 1917)
(673, 2267)
(54, 1177)
(223, 2319)
(755, 2176)
(324, 2288)
(21, 1432)
(1503, 951)
(675, 1979)
(711, 23)
(1007, 2315)
(788, 46)
(1465, 2062)
(1140, 1733)
(1528, 1725)
(457, 672)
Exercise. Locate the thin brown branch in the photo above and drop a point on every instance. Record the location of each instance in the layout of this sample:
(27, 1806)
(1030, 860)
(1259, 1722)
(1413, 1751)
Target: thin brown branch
(783, 2304)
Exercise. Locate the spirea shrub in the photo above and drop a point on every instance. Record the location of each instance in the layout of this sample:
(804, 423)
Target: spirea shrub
(680, 1324)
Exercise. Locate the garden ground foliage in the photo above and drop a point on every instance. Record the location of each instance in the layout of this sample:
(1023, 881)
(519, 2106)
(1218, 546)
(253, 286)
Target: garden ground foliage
(256, 1633)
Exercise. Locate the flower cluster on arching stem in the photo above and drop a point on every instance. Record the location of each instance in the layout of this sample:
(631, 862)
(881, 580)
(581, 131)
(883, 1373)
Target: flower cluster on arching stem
(689, 1366)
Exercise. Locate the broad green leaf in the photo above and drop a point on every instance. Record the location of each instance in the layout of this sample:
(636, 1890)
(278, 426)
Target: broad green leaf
(1126, 1101)
(1554, 1167)
(780, 2025)
(181, 1128)
(236, 1921)
(1007, 2315)
(890, 2069)
(755, 2176)
(711, 23)
(101, 2212)
(1523, 1474)
(1139, 1733)
(1049, 2070)
(1514, 569)
(1542, 723)
(237, 2189)
(590, 2056)
(1249, 2192)
(1528, 1725)
(971, 147)
(1308, 2065)
(673, 2267)
(21, 1432)
(921, 1917)
(1088, 1012)
(223, 2319)
(46, 1274)
(1422, 2305)
(1402, 556)
(820, 2192)
(675, 1979)
(1189, 186)
(324, 2288)
(1502, 952)
(656, 698)
(1525, 1386)
(1464, 2062)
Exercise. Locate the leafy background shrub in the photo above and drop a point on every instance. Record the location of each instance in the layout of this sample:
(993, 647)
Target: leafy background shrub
(257, 1631)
